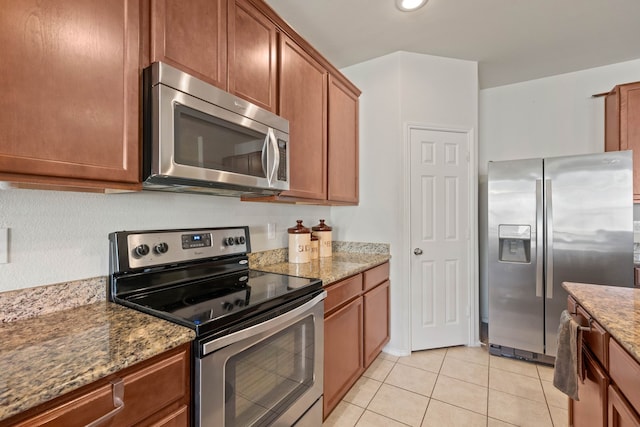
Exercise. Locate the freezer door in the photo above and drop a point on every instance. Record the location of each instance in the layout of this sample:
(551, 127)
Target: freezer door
(515, 273)
(589, 213)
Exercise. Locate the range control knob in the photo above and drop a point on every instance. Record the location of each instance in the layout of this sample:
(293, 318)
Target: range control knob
(240, 303)
(141, 250)
(161, 248)
(240, 240)
(229, 241)
(227, 306)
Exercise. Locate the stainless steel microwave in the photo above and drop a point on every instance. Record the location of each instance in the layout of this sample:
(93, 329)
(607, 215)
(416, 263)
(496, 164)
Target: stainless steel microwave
(200, 139)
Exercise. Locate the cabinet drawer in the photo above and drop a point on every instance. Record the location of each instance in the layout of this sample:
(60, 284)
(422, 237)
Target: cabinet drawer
(147, 390)
(625, 373)
(375, 276)
(154, 387)
(342, 291)
(596, 339)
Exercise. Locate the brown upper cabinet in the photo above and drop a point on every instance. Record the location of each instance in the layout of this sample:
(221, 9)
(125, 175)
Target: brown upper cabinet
(322, 108)
(622, 126)
(303, 101)
(71, 79)
(227, 43)
(192, 37)
(253, 59)
(343, 142)
(69, 75)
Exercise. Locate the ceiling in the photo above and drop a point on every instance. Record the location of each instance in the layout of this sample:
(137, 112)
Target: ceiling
(512, 40)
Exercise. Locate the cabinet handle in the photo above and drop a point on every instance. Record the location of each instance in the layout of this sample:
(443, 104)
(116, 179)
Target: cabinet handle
(118, 403)
(582, 328)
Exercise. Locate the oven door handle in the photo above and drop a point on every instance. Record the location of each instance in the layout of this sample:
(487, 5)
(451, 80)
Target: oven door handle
(262, 327)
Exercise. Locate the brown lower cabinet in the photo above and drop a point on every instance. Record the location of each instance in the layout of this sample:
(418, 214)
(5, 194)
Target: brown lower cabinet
(356, 327)
(621, 414)
(376, 321)
(610, 393)
(590, 410)
(343, 354)
(155, 393)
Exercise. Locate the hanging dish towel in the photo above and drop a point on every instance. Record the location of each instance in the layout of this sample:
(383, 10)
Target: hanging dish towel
(568, 359)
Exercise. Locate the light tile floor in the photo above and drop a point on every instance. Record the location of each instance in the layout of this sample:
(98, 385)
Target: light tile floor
(457, 386)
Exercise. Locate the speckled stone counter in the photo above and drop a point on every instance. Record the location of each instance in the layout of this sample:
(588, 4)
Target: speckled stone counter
(46, 356)
(329, 269)
(616, 309)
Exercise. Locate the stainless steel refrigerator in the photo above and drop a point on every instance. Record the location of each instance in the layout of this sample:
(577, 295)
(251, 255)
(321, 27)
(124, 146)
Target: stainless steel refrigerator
(549, 221)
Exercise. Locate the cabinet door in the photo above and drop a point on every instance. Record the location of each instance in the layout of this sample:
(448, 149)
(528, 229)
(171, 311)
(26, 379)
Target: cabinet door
(342, 166)
(191, 36)
(622, 126)
(303, 101)
(343, 353)
(376, 321)
(252, 59)
(591, 410)
(69, 77)
(621, 414)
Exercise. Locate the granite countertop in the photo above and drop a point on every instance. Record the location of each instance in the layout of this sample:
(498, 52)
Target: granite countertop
(46, 356)
(329, 269)
(616, 308)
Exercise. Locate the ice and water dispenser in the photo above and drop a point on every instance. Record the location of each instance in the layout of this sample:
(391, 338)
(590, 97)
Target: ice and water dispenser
(515, 243)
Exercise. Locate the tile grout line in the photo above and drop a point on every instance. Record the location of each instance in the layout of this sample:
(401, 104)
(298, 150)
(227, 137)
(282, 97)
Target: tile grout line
(395, 362)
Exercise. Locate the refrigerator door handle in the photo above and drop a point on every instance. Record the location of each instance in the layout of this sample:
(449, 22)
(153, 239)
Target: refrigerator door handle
(539, 239)
(549, 237)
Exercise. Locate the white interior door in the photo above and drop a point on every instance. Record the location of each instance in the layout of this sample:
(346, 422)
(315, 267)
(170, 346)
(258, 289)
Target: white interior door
(440, 245)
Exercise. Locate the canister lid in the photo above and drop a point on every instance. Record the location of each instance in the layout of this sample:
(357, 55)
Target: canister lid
(298, 229)
(321, 227)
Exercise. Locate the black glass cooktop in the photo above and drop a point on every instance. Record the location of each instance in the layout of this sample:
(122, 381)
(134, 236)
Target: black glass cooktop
(209, 304)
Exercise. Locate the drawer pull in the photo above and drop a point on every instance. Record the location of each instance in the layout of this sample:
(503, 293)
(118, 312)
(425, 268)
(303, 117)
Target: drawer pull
(118, 403)
(584, 328)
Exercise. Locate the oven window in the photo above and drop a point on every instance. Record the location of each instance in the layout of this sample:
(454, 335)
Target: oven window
(208, 142)
(262, 381)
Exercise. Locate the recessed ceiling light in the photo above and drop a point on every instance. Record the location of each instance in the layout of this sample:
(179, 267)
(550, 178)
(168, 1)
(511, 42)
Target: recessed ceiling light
(409, 5)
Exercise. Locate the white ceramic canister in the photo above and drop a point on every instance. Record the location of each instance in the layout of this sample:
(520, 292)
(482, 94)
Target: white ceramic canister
(323, 232)
(299, 244)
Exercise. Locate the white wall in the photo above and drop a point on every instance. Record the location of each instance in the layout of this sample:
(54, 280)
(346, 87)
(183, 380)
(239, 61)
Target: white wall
(548, 117)
(397, 89)
(62, 236)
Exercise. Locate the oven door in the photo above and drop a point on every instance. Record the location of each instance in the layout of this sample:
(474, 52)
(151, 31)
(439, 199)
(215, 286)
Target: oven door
(268, 374)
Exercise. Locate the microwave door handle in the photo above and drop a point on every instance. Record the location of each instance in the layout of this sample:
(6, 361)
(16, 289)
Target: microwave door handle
(265, 157)
(276, 157)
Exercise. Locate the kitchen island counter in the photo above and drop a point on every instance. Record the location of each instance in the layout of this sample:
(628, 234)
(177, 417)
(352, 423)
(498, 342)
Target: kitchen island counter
(47, 356)
(617, 309)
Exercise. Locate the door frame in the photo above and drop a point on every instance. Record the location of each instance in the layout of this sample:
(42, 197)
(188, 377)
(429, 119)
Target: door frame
(473, 338)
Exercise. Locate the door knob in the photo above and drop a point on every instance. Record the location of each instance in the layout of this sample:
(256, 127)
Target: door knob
(417, 251)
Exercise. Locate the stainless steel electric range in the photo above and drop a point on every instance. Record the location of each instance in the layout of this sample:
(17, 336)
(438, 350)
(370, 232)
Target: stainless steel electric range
(259, 344)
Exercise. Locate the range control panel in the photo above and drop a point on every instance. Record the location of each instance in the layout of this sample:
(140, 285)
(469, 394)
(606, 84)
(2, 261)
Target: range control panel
(152, 248)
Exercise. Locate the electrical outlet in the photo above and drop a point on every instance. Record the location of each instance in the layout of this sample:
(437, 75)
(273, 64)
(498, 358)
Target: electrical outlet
(4, 245)
(271, 230)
